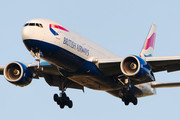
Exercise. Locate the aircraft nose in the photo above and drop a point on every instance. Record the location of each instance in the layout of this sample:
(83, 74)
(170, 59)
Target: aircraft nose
(27, 33)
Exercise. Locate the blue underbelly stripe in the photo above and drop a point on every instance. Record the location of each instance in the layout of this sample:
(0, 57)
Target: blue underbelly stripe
(56, 55)
(71, 63)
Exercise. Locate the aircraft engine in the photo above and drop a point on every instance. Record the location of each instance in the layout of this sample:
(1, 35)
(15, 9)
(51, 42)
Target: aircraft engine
(18, 74)
(135, 67)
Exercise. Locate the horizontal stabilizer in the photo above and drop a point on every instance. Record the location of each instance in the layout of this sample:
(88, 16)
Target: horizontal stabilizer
(163, 85)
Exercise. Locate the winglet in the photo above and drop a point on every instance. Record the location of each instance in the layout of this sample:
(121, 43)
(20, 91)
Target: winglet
(148, 47)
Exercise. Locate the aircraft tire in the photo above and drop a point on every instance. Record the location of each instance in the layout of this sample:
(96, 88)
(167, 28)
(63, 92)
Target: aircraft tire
(55, 97)
(135, 101)
(58, 102)
(70, 104)
(62, 105)
(126, 102)
(67, 99)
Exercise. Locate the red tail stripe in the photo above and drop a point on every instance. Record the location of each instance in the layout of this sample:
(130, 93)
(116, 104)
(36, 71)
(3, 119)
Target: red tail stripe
(150, 42)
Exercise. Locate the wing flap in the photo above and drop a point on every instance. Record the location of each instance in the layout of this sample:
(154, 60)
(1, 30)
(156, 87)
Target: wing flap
(50, 73)
(163, 85)
(54, 80)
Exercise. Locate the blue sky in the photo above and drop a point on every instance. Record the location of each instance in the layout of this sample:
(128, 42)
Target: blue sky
(118, 25)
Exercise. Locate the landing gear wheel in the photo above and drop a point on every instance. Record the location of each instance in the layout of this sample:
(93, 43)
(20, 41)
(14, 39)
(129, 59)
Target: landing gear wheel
(128, 97)
(63, 100)
(135, 101)
(70, 104)
(55, 97)
(58, 102)
(62, 105)
(126, 101)
(66, 99)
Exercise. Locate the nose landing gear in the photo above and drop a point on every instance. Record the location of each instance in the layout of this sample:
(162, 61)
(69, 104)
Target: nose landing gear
(63, 100)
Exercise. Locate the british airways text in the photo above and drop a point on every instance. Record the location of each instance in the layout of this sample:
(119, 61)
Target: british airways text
(75, 46)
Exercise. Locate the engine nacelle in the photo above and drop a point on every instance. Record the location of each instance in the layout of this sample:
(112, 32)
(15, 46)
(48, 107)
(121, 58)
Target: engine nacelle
(135, 67)
(18, 74)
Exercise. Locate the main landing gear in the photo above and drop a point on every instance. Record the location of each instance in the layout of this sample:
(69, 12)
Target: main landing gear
(63, 100)
(126, 94)
(128, 97)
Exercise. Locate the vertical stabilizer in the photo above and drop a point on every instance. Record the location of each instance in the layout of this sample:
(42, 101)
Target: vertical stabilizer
(148, 47)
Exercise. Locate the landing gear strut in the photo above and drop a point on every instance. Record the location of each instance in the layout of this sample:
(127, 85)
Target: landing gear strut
(63, 100)
(127, 95)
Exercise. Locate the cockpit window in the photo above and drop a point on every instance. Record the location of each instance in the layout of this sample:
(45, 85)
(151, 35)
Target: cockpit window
(40, 25)
(37, 24)
(31, 24)
(26, 24)
(34, 24)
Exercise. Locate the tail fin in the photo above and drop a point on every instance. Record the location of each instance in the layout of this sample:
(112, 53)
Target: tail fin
(148, 47)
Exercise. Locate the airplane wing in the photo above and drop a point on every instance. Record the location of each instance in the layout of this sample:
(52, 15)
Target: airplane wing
(50, 73)
(111, 66)
(169, 63)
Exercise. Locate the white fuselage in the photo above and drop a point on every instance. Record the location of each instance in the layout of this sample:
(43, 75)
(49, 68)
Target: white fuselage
(79, 50)
(44, 34)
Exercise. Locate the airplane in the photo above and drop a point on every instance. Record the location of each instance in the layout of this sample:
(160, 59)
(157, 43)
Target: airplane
(73, 61)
